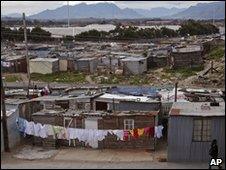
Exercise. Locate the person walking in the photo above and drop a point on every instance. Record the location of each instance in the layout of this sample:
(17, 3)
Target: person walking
(213, 152)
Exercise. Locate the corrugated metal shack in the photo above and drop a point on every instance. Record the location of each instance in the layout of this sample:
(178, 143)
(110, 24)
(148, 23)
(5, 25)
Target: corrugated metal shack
(121, 102)
(134, 65)
(192, 127)
(87, 65)
(44, 65)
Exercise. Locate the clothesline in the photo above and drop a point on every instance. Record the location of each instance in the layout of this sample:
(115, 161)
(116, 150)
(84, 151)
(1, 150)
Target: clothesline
(89, 136)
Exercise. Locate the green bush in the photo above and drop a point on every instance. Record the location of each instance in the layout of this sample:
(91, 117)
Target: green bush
(183, 72)
(216, 53)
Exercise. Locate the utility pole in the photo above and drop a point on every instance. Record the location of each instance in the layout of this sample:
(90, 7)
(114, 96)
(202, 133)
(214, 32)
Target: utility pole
(175, 98)
(26, 52)
(4, 118)
(3, 113)
(68, 21)
(213, 15)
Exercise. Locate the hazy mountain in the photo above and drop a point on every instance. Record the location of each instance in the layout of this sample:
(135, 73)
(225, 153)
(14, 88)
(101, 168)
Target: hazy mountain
(83, 10)
(158, 12)
(13, 15)
(203, 11)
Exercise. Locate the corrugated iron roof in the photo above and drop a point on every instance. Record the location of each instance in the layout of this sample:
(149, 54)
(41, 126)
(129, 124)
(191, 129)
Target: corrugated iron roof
(197, 109)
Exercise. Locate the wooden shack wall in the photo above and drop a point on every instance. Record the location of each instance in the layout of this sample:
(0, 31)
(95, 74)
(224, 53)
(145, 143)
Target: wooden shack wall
(189, 59)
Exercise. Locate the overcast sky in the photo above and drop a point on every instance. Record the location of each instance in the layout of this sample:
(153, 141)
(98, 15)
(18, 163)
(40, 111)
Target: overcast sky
(32, 7)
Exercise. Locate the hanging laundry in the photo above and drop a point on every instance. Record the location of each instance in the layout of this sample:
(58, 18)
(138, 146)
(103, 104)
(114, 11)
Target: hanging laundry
(44, 131)
(101, 134)
(37, 129)
(70, 132)
(149, 131)
(135, 133)
(57, 131)
(126, 135)
(140, 132)
(62, 133)
(158, 131)
(6, 64)
(131, 132)
(119, 134)
(71, 135)
(30, 128)
(152, 131)
(21, 125)
(50, 130)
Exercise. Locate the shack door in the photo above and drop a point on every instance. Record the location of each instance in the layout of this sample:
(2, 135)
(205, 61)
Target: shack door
(92, 123)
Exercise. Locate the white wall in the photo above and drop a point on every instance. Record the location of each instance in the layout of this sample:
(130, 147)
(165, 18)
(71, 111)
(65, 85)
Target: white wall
(42, 67)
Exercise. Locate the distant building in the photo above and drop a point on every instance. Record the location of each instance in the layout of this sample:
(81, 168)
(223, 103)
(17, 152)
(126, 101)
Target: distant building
(134, 65)
(186, 57)
(14, 63)
(88, 65)
(157, 58)
(44, 65)
(192, 127)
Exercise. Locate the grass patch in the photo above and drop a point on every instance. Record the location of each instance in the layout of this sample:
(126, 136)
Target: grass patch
(138, 80)
(121, 79)
(67, 77)
(216, 53)
(183, 72)
(108, 79)
(166, 76)
(12, 78)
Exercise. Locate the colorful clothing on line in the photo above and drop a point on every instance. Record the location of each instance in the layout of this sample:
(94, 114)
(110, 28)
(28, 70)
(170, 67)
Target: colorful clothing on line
(140, 132)
(126, 135)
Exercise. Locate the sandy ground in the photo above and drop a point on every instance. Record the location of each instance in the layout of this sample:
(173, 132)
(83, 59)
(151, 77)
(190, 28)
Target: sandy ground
(29, 157)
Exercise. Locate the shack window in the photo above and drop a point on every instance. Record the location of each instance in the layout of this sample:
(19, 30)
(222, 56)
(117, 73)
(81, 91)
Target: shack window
(202, 130)
(128, 124)
(69, 122)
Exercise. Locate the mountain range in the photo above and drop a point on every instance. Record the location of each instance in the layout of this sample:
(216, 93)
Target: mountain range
(111, 11)
(158, 12)
(214, 10)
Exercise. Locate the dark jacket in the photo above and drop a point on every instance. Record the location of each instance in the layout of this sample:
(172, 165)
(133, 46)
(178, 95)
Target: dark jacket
(213, 152)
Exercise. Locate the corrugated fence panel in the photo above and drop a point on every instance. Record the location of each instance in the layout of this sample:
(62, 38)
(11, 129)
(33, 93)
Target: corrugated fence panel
(179, 138)
(218, 132)
(180, 144)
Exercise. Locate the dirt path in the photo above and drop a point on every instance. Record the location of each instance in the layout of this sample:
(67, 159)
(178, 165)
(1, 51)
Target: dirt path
(89, 79)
